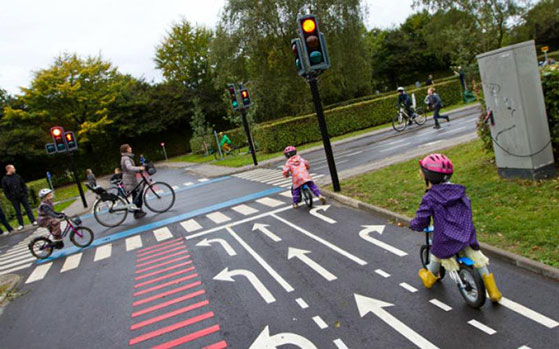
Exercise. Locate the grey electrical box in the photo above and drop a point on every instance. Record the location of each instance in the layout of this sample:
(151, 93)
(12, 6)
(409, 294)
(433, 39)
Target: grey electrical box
(513, 93)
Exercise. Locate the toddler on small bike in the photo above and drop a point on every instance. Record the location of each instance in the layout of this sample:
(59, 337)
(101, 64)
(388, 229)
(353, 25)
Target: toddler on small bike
(298, 168)
(49, 218)
(454, 232)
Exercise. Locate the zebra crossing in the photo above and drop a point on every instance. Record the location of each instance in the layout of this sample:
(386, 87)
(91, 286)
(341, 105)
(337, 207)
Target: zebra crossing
(18, 256)
(271, 177)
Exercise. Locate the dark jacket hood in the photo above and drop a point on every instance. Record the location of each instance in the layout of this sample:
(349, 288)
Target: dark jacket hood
(447, 194)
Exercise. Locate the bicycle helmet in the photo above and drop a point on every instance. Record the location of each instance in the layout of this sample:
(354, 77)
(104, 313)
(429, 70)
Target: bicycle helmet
(290, 151)
(437, 168)
(44, 192)
(400, 89)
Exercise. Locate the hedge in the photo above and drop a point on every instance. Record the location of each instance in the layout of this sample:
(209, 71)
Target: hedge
(274, 136)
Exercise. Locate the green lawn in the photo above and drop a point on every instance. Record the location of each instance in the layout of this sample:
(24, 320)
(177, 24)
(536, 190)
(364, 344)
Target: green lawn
(516, 215)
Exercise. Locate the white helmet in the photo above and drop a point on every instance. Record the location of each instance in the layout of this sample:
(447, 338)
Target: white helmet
(400, 89)
(44, 192)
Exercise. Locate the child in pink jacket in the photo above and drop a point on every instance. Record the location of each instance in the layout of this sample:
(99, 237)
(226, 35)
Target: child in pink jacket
(299, 170)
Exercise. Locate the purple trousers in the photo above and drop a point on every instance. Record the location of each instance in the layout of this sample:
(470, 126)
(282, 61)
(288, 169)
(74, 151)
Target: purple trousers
(296, 192)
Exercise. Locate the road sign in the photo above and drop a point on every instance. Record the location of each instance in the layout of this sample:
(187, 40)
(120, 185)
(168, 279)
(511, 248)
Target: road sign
(545, 49)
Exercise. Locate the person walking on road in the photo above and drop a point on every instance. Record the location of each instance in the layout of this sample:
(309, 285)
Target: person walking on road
(91, 180)
(436, 103)
(129, 171)
(5, 222)
(16, 191)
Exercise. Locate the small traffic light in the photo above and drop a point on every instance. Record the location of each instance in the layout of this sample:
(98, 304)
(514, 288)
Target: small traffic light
(314, 44)
(50, 148)
(300, 62)
(71, 141)
(233, 96)
(245, 97)
(57, 134)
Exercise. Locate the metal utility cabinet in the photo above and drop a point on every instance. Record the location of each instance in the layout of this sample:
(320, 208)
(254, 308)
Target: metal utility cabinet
(513, 92)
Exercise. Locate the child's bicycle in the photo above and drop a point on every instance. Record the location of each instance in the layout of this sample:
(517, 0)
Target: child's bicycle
(42, 247)
(306, 194)
(467, 278)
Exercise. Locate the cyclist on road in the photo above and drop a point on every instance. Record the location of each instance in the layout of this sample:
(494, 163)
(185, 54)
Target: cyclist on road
(129, 179)
(225, 142)
(451, 211)
(405, 101)
(298, 168)
(49, 218)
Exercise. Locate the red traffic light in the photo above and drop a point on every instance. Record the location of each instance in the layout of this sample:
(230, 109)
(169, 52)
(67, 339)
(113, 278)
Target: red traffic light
(309, 25)
(162, 144)
(56, 132)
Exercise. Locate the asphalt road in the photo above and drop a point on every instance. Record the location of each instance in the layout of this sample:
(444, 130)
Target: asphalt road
(233, 265)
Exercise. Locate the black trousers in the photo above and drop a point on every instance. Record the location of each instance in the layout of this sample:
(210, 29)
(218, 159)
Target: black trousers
(17, 206)
(137, 196)
(4, 220)
(437, 116)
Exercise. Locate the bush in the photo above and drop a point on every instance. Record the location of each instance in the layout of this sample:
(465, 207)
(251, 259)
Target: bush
(550, 84)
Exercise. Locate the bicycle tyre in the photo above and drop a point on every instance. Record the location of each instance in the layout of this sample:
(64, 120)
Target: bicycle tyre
(307, 197)
(103, 208)
(48, 248)
(419, 117)
(167, 191)
(474, 297)
(84, 231)
(399, 122)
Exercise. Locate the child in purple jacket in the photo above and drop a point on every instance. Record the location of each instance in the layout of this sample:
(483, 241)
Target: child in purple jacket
(451, 211)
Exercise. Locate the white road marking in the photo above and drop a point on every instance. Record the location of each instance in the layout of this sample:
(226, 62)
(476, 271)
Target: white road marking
(71, 262)
(440, 304)
(524, 347)
(18, 261)
(175, 187)
(227, 275)
(325, 166)
(318, 176)
(265, 340)
(456, 129)
(133, 243)
(103, 252)
(302, 303)
(529, 313)
(202, 180)
(322, 241)
(324, 208)
(218, 217)
(11, 256)
(286, 286)
(351, 154)
(382, 273)
(287, 185)
(264, 229)
(207, 242)
(395, 147)
(302, 256)
(191, 225)
(162, 234)
(482, 327)
(364, 234)
(396, 142)
(340, 344)
(269, 202)
(16, 269)
(245, 210)
(39, 273)
(287, 194)
(319, 322)
(188, 184)
(408, 287)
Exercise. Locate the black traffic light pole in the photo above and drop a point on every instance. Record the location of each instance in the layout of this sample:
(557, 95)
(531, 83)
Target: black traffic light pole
(313, 83)
(73, 164)
(249, 136)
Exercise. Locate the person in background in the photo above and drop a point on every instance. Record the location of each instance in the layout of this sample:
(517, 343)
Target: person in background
(5, 222)
(225, 142)
(404, 101)
(142, 160)
(16, 191)
(117, 176)
(429, 81)
(129, 179)
(436, 103)
(91, 180)
(462, 77)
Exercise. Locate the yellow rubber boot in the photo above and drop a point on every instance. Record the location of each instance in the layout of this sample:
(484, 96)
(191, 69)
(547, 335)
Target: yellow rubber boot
(427, 277)
(491, 287)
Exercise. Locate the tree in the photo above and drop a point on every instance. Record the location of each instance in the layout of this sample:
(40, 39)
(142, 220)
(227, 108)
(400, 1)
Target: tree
(199, 125)
(540, 23)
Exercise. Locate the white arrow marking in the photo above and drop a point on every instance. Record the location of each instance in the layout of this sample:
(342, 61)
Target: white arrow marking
(207, 242)
(529, 313)
(265, 341)
(315, 213)
(226, 275)
(375, 306)
(263, 228)
(302, 255)
(364, 234)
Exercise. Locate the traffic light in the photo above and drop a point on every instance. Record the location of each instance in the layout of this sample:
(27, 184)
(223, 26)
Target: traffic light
(300, 62)
(50, 148)
(245, 97)
(314, 44)
(57, 134)
(71, 141)
(233, 96)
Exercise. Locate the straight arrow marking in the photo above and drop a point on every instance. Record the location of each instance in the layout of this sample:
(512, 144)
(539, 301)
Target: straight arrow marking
(364, 234)
(265, 341)
(207, 242)
(315, 213)
(302, 255)
(227, 275)
(263, 228)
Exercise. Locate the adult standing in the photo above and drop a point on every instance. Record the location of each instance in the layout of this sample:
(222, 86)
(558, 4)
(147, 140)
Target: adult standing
(129, 171)
(5, 222)
(16, 191)
(429, 81)
(91, 178)
(462, 77)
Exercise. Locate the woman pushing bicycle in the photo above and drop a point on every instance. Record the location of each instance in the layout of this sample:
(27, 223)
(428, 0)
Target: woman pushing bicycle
(298, 168)
(129, 171)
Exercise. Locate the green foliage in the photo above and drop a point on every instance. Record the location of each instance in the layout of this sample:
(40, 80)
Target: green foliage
(540, 23)
(550, 82)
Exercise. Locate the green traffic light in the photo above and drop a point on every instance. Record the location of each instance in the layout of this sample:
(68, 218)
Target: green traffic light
(298, 63)
(316, 57)
(235, 104)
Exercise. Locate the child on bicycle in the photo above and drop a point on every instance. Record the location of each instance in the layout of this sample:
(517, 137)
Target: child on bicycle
(454, 233)
(298, 168)
(49, 218)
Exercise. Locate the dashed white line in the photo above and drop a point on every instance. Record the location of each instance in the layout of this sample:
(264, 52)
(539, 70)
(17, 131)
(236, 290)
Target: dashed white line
(191, 225)
(340, 344)
(287, 194)
(396, 142)
(202, 180)
(482, 327)
(440, 304)
(382, 273)
(408, 287)
(133, 243)
(269, 202)
(188, 184)
(18, 262)
(175, 187)
(39, 273)
(302, 303)
(16, 268)
(71, 262)
(218, 217)
(319, 322)
(524, 347)
(529, 313)
(244, 210)
(395, 147)
(162, 234)
(102, 252)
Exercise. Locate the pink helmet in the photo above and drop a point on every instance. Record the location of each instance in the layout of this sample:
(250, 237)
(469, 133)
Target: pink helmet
(290, 151)
(437, 168)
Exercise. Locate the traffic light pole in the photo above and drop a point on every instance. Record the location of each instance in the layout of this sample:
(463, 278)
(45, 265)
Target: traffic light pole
(313, 83)
(249, 136)
(73, 164)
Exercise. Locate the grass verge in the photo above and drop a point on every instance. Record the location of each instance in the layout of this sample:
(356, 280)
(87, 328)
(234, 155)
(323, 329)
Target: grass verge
(519, 216)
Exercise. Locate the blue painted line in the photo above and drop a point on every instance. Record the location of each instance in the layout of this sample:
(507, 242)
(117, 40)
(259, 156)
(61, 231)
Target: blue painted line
(211, 181)
(162, 223)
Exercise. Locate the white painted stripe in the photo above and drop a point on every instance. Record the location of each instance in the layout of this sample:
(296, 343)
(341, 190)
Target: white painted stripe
(102, 252)
(39, 273)
(162, 234)
(14, 264)
(456, 129)
(302, 303)
(340, 344)
(16, 258)
(382, 273)
(395, 147)
(245, 210)
(269, 202)
(318, 176)
(133, 243)
(482, 327)
(529, 313)
(191, 225)
(175, 187)
(351, 154)
(287, 194)
(71, 262)
(278, 181)
(440, 304)
(408, 287)
(524, 347)
(9, 256)
(202, 180)
(188, 184)
(218, 217)
(325, 166)
(15, 269)
(288, 185)
(396, 142)
(319, 322)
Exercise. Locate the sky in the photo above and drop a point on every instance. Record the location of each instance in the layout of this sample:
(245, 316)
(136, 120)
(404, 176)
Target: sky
(125, 32)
